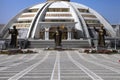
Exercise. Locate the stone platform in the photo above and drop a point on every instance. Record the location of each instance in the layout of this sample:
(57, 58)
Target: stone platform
(65, 43)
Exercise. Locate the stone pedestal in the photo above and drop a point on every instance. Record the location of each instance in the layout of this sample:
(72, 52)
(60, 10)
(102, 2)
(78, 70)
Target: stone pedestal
(14, 51)
(2, 45)
(58, 47)
(101, 48)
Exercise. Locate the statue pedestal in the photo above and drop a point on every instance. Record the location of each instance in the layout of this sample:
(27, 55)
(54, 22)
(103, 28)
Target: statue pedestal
(101, 48)
(58, 47)
(14, 51)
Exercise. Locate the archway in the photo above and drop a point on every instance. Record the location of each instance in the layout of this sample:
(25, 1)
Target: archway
(42, 33)
(53, 29)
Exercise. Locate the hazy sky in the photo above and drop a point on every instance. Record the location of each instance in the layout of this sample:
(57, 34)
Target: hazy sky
(109, 9)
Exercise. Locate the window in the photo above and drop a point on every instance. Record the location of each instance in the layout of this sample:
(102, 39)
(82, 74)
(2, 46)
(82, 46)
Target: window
(32, 10)
(54, 20)
(83, 10)
(58, 9)
(92, 21)
(90, 16)
(21, 25)
(29, 15)
(58, 15)
(23, 21)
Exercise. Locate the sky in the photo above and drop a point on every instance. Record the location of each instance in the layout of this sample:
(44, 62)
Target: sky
(109, 9)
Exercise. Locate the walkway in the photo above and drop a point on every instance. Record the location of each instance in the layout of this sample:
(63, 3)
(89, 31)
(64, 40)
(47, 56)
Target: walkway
(60, 65)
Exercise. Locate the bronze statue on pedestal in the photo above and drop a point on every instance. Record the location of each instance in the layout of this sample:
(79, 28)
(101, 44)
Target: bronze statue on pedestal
(14, 33)
(101, 36)
(58, 37)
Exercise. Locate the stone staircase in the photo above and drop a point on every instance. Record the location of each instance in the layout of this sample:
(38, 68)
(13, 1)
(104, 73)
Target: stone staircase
(65, 43)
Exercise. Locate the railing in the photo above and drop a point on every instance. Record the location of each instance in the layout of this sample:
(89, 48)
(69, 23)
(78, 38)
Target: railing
(110, 43)
(5, 43)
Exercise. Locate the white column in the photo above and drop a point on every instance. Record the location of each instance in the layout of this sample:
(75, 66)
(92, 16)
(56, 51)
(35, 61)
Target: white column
(46, 33)
(69, 34)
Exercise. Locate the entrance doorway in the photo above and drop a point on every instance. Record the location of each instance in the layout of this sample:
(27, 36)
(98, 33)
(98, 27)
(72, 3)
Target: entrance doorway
(53, 29)
(42, 33)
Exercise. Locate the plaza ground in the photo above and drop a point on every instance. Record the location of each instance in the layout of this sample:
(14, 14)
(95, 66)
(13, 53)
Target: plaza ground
(60, 65)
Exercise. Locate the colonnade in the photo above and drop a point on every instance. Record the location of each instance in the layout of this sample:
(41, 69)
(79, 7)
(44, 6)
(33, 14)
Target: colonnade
(69, 33)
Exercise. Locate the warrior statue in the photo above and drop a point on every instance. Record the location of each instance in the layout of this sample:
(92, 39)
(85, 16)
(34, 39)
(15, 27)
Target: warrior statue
(14, 33)
(58, 37)
(101, 36)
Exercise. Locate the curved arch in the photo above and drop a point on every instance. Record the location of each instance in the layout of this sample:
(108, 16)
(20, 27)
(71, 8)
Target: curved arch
(100, 18)
(83, 32)
(39, 18)
(4, 31)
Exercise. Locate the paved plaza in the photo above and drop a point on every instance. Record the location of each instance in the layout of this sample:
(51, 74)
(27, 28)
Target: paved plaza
(60, 65)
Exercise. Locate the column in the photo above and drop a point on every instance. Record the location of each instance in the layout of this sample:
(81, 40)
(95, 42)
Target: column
(46, 33)
(69, 34)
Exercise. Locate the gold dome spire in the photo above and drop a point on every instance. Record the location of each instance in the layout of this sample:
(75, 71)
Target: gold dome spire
(59, 0)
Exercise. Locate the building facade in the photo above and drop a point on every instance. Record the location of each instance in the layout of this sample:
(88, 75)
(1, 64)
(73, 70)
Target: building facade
(75, 20)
